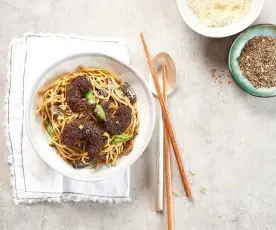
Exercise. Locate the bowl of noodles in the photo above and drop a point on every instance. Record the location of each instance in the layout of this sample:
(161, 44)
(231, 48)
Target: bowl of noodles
(90, 116)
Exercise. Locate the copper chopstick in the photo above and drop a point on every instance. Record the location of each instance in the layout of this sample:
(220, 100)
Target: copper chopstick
(167, 122)
(167, 160)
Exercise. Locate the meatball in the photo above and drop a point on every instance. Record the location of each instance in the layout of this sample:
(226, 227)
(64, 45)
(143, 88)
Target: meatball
(75, 95)
(120, 122)
(80, 130)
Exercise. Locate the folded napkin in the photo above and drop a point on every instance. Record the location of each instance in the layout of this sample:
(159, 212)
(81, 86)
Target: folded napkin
(32, 179)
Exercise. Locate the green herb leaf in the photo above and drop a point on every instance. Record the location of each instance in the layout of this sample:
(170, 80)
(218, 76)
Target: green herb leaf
(98, 80)
(120, 138)
(100, 113)
(112, 106)
(60, 117)
(203, 190)
(175, 194)
(52, 143)
(90, 97)
(62, 107)
(105, 134)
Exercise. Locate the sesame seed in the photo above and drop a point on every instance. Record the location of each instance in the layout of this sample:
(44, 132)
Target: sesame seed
(257, 61)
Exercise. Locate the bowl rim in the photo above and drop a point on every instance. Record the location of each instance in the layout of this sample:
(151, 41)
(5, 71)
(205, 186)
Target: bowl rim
(147, 138)
(212, 34)
(229, 61)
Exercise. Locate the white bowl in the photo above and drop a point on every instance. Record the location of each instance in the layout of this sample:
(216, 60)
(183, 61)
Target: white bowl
(197, 25)
(145, 106)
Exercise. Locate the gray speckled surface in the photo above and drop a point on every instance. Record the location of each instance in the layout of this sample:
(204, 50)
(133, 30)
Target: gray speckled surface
(227, 137)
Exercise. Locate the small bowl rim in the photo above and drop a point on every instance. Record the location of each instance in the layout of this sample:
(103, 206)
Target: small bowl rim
(147, 138)
(229, 60)
(213, 34)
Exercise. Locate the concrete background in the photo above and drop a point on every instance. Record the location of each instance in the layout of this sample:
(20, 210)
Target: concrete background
(226, 136)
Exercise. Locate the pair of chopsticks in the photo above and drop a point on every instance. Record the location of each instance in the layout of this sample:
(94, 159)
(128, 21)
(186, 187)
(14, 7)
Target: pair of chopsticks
(168, 133)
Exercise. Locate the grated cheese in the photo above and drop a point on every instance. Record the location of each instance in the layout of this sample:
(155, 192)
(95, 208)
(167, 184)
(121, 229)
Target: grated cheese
(218, 13)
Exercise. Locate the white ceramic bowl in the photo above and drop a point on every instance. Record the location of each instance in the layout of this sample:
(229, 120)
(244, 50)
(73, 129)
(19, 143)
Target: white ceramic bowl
(197, 25)
(145, 106)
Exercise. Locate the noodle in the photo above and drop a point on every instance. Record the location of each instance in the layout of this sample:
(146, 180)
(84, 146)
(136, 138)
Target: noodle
(55, 95)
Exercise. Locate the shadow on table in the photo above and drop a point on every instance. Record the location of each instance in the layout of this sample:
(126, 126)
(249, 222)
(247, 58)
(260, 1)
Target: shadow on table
(217, 50)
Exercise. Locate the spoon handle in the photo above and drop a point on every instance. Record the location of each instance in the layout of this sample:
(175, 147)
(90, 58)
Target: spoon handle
(168, 173)
(160, 183)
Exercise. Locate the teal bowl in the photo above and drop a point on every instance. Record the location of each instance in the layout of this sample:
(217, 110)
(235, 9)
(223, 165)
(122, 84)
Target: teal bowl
(235, 51)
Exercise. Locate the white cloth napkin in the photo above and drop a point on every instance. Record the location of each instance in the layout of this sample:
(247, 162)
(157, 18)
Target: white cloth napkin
(32, 179)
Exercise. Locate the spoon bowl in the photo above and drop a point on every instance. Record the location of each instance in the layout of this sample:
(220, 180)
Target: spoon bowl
(158, 61)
